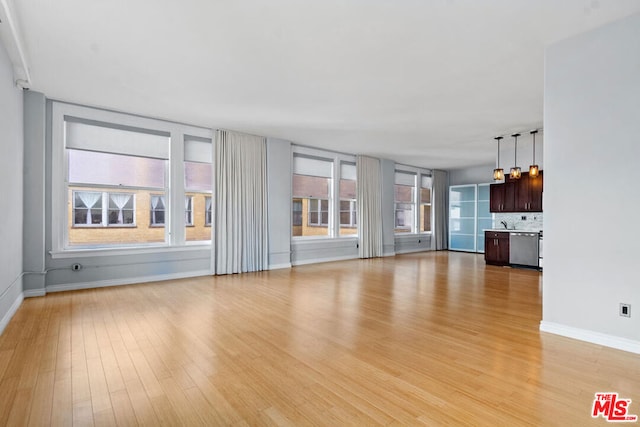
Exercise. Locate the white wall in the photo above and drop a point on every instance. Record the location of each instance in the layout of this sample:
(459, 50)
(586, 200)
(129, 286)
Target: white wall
(592, 236)
(11, 152)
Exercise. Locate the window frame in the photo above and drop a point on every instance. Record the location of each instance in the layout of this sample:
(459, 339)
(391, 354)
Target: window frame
(173, 188)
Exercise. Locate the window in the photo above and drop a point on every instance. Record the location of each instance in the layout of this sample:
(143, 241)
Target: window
(318, 213)
(111, 186)
(297, 214)
(207, 211)
(425, 204)
(405, 192)
(198, 185)
(96, 180)
(188, 210)
(347, 213)
(324, 194)
(90, 209)
(412, 200)
(312, 189)
(87, 209)
(157, 210)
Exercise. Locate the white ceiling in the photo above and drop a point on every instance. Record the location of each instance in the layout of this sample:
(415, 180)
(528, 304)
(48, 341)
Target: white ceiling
(424, 82)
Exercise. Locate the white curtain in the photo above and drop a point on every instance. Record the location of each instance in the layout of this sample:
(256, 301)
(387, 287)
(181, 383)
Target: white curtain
(89, 200)
(241, 203)
(440, 190)
(120, 200)
(369, 206)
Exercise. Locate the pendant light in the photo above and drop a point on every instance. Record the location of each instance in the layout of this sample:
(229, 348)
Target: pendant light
(498, 172)
(534, 170)
(515, 173)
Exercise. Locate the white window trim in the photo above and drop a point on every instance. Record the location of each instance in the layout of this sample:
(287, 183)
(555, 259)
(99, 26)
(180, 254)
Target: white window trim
(334, 208)
(174, 234)
(417, 203)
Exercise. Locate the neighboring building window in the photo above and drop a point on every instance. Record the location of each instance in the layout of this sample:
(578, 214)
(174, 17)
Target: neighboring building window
(89, 209)
(297, 213)
(207, 211)
(188, 210)
(405, 197)
(318, 212)
(157, 210)
(347, 214)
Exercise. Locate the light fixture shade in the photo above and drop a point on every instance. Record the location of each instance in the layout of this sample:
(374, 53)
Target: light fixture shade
(498, 174)
(515, 173)
(534, 170)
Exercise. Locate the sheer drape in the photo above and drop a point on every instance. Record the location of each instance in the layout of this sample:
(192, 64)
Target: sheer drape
(89, 200)
(241, 203)
(369, 207)
(440, 190)
(120, 200)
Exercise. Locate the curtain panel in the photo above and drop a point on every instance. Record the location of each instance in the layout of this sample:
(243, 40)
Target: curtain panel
(241, 203)
(440, 191)
(369, 207)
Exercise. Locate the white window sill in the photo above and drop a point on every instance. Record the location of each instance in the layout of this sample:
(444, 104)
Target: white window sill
(92, 252)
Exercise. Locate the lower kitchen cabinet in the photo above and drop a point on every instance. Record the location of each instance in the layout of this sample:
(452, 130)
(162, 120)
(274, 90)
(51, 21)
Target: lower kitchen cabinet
(496, 247)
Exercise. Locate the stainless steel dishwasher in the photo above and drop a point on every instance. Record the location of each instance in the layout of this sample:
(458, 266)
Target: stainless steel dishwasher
(523, 248)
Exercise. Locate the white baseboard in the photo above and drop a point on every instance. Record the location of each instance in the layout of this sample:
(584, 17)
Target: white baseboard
(127, 281)
(34, 293)
(279, 266)
(12, 311)
(319, 260)
(591, 336)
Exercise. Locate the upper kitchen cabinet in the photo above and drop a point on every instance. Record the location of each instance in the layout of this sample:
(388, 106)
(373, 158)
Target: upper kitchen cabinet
(522, 195)
(529, 194)
(503, 197)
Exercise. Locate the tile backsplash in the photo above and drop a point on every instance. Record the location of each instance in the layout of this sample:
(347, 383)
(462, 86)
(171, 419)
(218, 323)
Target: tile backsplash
(533, 221)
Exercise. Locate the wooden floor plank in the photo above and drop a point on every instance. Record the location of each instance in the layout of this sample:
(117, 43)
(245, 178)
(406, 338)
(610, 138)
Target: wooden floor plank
(433, 338)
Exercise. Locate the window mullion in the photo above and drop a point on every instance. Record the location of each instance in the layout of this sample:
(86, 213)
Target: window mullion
(105, 209)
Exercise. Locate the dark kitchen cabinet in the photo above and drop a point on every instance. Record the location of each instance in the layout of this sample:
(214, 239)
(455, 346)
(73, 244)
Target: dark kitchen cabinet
(529, 194)
(496, 247)
(521, 195)
(502, 197)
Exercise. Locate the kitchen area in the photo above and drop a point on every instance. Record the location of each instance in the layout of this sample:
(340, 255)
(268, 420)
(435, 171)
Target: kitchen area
(503, 220)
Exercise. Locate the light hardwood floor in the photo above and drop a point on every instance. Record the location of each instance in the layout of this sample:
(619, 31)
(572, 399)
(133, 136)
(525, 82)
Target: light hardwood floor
(430, 338)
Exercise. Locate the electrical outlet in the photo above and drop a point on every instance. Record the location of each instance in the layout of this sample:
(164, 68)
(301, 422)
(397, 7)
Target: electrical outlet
(523, 217)
(625, 310)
